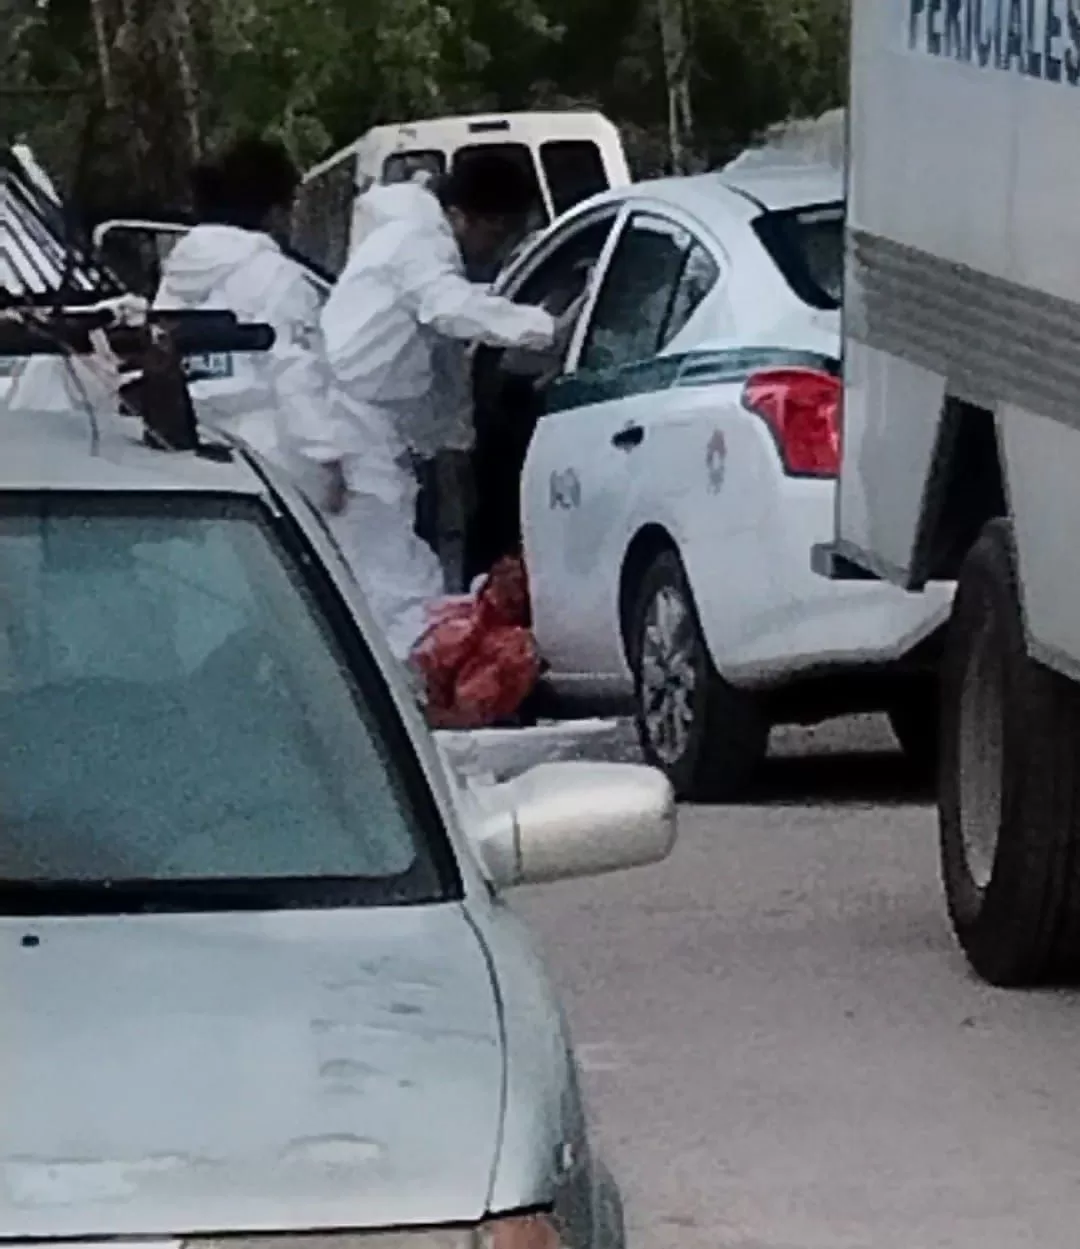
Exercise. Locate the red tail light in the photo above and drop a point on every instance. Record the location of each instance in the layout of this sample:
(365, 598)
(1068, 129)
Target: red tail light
(802, 408)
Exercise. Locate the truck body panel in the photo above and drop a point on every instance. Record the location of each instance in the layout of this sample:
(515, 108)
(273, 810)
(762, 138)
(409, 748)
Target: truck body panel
(963, 285)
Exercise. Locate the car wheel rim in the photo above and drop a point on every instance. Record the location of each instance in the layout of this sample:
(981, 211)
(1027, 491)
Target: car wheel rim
(669, 675)
(981, 756)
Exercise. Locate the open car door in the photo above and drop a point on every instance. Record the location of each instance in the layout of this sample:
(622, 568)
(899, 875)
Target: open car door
(509, 386)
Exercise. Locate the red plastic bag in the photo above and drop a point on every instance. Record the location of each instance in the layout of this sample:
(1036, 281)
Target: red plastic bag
(498, 677)
(478, 659)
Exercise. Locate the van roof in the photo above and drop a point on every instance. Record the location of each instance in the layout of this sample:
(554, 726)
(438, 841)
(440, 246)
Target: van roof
(471, 126)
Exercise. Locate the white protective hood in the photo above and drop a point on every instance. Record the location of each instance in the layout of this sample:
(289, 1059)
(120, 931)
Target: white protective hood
(204, 260)
(399, 201)
(277, 401)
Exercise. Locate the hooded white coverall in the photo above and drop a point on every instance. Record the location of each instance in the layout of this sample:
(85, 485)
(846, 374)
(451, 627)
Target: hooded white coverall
(394, 330)
(278, 402)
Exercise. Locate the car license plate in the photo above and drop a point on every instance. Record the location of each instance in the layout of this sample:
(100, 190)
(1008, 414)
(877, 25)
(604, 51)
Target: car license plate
(210, 366)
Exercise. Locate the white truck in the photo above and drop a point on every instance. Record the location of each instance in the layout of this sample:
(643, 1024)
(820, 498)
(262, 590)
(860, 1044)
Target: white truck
(961, 438)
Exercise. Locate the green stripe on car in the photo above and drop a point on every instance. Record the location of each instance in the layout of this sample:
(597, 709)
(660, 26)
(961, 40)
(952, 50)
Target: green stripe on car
(663, 373)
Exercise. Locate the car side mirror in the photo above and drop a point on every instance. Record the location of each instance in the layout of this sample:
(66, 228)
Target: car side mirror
(563, 821)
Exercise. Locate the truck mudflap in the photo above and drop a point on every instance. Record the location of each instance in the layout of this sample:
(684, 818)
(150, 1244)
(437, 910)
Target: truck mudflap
(828, 561)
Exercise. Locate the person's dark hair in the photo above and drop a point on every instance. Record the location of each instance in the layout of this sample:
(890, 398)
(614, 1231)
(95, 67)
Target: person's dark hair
(488, 184)
(249, 180)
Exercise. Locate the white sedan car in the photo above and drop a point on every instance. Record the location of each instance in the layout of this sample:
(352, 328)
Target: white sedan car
(676, 473)
(269, 990)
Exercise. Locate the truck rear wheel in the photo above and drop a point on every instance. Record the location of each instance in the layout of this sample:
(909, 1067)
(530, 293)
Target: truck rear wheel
(1009, 789)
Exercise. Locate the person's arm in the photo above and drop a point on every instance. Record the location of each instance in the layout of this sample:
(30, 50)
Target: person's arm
(430, 278)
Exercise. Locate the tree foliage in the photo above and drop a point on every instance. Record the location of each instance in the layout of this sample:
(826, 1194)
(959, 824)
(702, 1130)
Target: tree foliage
(159, 80)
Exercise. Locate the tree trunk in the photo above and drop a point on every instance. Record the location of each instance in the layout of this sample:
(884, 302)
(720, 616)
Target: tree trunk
(151, 137)
(103, 47)
(672, 17)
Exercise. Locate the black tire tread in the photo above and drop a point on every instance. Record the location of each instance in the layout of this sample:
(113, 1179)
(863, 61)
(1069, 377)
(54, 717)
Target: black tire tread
(1024, 929)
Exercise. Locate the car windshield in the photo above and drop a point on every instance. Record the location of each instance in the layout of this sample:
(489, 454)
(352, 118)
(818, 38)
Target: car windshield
(186, 724)
(807, 246)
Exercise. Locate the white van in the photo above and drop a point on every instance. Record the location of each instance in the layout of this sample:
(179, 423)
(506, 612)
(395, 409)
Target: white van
(569, 156)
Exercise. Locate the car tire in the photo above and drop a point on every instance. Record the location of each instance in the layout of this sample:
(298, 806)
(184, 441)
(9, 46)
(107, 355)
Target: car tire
(706, 735)
(915, 719)
(1009, 787)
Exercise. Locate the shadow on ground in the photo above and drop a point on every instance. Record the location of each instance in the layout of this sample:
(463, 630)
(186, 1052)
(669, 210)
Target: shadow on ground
(880, 779)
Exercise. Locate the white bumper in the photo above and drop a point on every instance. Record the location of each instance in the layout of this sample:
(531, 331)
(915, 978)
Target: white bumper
(790, 620)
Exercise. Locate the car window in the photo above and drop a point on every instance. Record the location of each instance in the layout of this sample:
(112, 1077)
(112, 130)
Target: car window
(559, 279)
(700, 274)
(638, 294)
(574, 169)
(138, 254)
(404, 166)
(181, 716)
(554, 284)
(807, 246)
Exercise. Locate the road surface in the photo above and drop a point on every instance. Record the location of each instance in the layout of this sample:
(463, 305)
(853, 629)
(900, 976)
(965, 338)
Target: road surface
(785, 1051)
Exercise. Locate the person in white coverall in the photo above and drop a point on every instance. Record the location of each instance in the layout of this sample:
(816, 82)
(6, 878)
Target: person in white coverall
(278, 402)
(395, 329)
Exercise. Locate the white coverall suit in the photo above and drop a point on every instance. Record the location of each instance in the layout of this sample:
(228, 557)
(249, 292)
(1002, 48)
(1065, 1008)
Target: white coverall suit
(402, 387)
(278, 402)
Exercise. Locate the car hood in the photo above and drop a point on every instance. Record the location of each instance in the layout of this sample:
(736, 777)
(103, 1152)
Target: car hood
(175, 1074)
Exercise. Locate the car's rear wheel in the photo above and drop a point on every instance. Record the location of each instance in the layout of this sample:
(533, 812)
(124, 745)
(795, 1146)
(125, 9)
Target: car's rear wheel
(1009, 798)
(706, 735)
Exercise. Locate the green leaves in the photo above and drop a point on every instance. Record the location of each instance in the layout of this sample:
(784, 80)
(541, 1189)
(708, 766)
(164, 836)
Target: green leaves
(321, 72)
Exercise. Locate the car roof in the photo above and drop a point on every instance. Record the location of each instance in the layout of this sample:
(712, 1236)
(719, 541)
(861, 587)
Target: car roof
(55, 451)
(748, 192)
(786, 184)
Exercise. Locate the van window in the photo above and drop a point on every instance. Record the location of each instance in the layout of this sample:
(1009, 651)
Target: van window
(574, 170)
(520, 155)
(404, 166)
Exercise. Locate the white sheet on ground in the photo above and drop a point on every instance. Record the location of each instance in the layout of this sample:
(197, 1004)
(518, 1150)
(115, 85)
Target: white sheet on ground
(498, 754)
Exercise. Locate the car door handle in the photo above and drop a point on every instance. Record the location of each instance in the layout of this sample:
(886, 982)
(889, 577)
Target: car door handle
(629, 438)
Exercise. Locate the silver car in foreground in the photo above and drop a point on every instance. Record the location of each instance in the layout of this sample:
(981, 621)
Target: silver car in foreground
(260, 983)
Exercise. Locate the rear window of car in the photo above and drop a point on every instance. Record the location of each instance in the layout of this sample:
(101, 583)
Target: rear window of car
(807, 246)
(186, 725)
